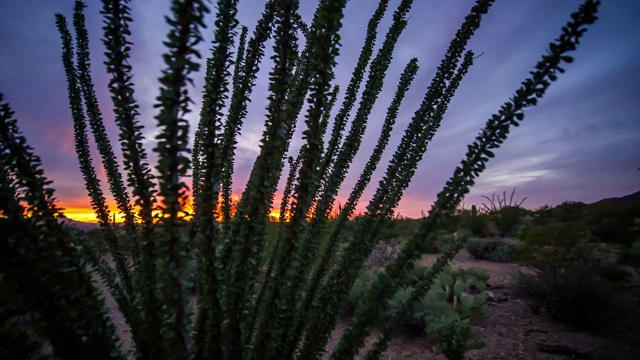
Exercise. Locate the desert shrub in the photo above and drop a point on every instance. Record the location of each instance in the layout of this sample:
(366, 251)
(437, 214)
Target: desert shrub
(459, 293)
(542, 216)
(614, 230)
(474, 221)
(613, 220)
(526, 223)
(625, 209)
(453, 336)
(567, 283)
(478, 225)
(569, 211)
(567, 276)
(492, 249)
(414, 320)
(99, 243)
(505, 213)
(97, 240)
(630, 254)
(439, 241)
(564, 235)
(360, 287)
(508, 218)
(397, 228)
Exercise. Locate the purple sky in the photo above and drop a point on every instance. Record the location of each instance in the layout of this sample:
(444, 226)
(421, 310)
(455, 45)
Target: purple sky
(581, 143)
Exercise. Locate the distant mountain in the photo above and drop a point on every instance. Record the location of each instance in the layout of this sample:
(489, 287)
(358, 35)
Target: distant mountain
(85, 226)
(625, 207)
(628, 199)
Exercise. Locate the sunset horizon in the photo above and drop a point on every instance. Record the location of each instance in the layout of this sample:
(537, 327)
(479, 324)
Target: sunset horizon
(86, 214)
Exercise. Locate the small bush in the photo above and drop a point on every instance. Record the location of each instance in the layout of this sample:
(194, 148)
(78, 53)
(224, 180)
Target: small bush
(614, 230)
(439, 242)
(97, 240)
(630, 254)
(360, 287)
(569, 211)
(415, 320)
(491, 249)
(624, 211)
(542, 216)
(399, 227)
(568, 284)
(453, 336)
(508, 219)
(564, 235)
(459, 293)
(476, 223)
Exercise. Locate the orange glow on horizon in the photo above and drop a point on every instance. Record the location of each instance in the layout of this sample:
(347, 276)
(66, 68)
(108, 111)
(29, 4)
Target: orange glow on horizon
(79, 210)
(274, 216)
(81, 214)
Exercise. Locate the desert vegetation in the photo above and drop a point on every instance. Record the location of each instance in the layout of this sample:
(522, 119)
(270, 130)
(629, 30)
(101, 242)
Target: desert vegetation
(555, 270)
(223, 281)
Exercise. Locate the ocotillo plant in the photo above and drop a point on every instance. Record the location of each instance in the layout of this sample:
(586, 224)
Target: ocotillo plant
(257, 297)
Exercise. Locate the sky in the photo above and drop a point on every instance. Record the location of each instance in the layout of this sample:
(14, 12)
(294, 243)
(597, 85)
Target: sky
(581, 143)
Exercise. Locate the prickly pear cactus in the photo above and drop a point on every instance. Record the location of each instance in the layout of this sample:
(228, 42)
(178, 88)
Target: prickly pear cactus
(467, 294)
